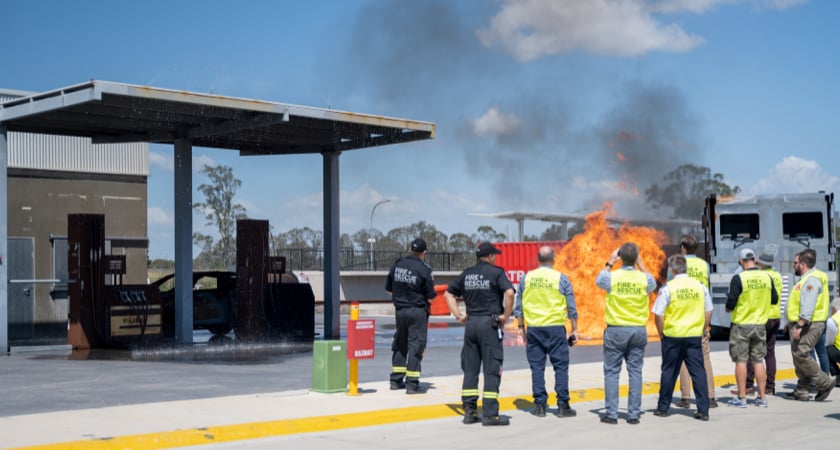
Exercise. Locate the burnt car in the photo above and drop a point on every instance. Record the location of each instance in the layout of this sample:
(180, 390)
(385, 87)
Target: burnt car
(214, 301)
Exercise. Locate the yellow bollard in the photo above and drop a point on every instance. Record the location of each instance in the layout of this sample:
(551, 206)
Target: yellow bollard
(354, 363)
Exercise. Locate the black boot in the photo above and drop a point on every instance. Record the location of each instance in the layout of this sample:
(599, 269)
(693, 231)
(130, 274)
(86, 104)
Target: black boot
(470, 415)
(564, 410)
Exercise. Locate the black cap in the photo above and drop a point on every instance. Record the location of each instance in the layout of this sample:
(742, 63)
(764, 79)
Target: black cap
(486, 249)
(418, 245)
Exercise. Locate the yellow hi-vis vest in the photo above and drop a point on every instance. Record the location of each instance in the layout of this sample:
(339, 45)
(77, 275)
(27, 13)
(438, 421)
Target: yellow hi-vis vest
(627, 302)
(753, 306)
(686, 312)
(543, 304)
(836, 318)
(698, 269)
(776, 310)
(821, 309)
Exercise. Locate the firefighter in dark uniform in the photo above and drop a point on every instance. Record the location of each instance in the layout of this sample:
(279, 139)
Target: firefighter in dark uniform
(488, 297)
(412, 287)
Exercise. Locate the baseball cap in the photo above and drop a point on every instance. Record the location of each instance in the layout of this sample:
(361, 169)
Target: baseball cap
(486, 249)
(746, 253)
(418, 245)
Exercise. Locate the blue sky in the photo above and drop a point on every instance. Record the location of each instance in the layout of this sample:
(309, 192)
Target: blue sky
(534, 100)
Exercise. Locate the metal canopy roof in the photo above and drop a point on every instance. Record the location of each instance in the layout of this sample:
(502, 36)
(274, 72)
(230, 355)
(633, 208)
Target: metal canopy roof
(109, 112)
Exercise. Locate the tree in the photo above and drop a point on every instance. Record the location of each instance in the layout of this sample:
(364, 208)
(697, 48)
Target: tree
(685, 189)
(299, 238)
(221, 212)
(486, 233)
(435, 239)
(555, 233)
(461, 242)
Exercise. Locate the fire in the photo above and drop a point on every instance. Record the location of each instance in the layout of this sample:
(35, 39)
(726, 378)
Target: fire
(582, 258)
(620, 156)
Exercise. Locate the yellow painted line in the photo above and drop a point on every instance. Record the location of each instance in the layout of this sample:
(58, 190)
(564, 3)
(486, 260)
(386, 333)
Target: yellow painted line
(256, 430)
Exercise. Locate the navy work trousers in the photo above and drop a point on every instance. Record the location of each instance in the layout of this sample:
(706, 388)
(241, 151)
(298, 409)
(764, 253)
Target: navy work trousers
(550, 342)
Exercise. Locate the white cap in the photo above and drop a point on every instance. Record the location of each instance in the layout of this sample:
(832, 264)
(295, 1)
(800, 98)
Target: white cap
(746, 253)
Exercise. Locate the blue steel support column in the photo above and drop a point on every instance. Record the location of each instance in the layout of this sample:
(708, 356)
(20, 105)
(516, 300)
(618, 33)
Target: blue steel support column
(332, 293)
(183, 242)
(4, 237)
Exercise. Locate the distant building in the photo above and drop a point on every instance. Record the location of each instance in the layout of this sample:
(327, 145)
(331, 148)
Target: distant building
(50, 177)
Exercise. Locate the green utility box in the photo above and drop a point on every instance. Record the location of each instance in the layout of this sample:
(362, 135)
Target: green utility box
(329, 366)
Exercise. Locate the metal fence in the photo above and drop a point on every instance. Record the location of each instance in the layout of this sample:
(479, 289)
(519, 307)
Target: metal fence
(298, 259)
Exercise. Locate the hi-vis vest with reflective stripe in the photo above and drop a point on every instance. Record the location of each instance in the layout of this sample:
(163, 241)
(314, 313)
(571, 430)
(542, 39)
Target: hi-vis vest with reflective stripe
(543, 304)
(776, 310)
(685, 314)
(821, 310)
(698, 269)
(753, 307)
(627, 301)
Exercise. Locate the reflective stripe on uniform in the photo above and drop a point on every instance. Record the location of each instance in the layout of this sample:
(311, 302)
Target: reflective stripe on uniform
(412, 374)
(398, 369)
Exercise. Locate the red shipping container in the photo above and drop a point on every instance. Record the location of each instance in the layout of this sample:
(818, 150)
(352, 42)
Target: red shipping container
(518, 258)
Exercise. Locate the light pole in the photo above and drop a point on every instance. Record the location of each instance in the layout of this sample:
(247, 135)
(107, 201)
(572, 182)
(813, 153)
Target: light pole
(371, 240)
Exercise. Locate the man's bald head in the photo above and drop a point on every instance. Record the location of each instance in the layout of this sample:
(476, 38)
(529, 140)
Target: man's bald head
(545, 254)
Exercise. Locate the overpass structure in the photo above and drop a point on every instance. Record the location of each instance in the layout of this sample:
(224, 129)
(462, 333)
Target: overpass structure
(672, 227)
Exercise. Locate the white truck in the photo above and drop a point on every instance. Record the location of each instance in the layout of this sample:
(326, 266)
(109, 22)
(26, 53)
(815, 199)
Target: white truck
(783, 224)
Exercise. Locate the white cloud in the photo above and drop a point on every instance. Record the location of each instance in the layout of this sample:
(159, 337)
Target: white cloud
(796, 175)
(200, 161)
(161, 160)
(494, 123)
(780, 4)
(158, 216)
(531, 29)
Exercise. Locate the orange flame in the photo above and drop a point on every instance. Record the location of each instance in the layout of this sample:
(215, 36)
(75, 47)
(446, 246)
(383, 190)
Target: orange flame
(620, 156)
(582, 258)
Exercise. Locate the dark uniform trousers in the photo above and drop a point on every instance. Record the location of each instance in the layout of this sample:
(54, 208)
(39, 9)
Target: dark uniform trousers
(675, 351)
(551, 341)
(482, 347)
(409, 344)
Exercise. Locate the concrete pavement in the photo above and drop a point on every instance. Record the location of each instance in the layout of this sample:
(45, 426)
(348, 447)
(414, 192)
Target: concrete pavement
(381, 418)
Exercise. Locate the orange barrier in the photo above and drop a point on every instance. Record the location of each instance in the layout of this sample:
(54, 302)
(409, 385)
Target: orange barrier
(439, 307)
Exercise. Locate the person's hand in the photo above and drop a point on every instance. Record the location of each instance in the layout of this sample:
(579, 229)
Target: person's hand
(502, 319)
(795, 333)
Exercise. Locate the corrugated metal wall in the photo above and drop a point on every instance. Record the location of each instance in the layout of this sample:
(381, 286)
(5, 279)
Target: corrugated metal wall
(75, 154)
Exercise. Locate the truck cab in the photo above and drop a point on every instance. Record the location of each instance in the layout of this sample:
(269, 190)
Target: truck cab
(781, 224)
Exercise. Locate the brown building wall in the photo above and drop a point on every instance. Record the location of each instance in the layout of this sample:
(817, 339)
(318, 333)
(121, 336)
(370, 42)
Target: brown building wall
(38, 205)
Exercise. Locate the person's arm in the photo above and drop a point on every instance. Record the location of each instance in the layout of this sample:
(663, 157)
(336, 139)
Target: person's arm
(508, 302)
(660, 325)
(774, 297)
(830, 331)
(571, 305)
(517, 304)
(430, 287)
(734, 292)
(709, 308)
